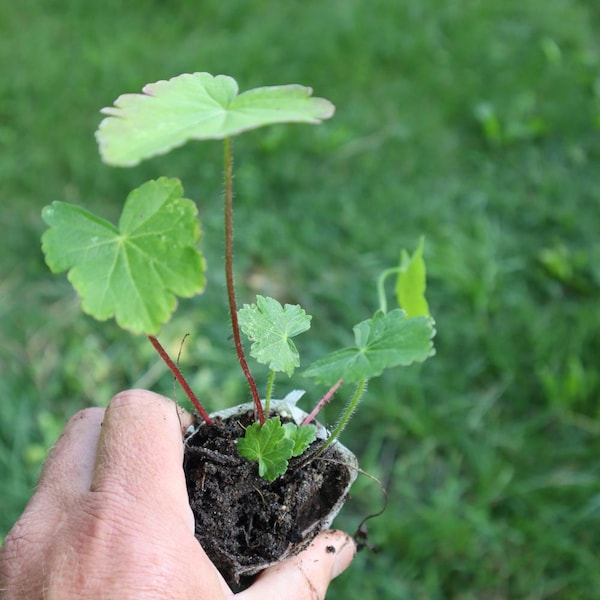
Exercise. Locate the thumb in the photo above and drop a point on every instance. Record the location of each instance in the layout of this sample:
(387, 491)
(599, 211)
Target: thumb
(307, 575)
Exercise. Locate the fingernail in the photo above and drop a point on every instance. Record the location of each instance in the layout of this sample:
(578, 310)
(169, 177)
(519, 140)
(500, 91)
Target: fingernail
(345, 551)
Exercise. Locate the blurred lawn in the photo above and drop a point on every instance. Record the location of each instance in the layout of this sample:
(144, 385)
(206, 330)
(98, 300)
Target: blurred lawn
(475, 123)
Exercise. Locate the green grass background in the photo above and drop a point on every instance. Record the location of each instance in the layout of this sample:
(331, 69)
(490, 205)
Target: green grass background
(475, 123)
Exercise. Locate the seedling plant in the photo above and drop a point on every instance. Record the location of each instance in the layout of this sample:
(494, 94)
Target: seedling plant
(135, 270)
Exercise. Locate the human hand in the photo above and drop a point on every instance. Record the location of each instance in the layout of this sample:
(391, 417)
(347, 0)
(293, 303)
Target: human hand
(110, 519)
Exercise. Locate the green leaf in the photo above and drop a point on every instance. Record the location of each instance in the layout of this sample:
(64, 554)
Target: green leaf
(386, 340)
(269, 445)
(411, 283)
(269, 325)
(302, 436)
(132, 272)
(197, 106)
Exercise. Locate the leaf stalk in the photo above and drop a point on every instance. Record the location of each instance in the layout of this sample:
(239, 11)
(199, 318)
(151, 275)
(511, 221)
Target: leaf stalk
(269, 393)
(180, 379)
(345, 416)
(322, 402)
(228, 200)
(381, 287)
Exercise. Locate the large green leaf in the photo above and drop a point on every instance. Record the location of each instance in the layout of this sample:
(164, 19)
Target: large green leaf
(197, 106)
(134, 271)
(386, 340)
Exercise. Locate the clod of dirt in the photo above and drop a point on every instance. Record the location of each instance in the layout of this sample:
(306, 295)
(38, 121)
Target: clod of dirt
(243, 522)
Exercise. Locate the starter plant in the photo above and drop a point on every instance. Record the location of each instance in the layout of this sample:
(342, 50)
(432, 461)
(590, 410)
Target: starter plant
(264, 477)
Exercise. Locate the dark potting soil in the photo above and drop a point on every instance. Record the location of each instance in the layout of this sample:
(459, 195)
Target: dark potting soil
(244, 522)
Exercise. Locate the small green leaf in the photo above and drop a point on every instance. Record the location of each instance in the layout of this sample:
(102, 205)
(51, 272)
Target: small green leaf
(269, 325)
(386, 340)
(411, 283)
(134, 271)
(197, 106)
(269, 445)
(302, 436)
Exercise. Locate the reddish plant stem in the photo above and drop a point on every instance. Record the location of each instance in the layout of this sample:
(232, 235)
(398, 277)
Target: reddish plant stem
(229, 278)
(180, 378)
(324, 400)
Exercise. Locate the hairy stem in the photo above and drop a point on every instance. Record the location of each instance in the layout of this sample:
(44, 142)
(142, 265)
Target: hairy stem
(324, 400)
(229, 278)
(269, 393)
(180, 378)
(345, 417)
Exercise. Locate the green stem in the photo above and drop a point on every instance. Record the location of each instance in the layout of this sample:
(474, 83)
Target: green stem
(345, 416)
(381, 287)
(228, 158)
(269, 393)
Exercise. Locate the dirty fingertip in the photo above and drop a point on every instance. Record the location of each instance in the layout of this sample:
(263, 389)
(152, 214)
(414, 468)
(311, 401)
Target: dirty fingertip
(308, 574)
(339, 546)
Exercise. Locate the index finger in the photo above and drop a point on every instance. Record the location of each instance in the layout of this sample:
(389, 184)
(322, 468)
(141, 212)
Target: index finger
(140, 450)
